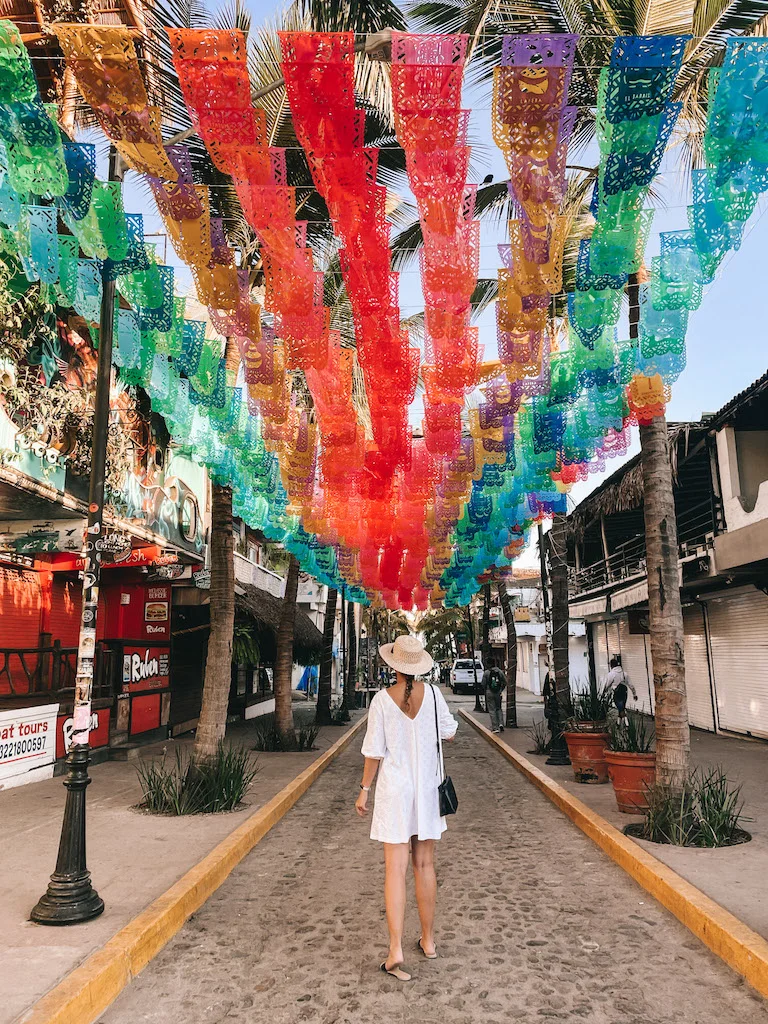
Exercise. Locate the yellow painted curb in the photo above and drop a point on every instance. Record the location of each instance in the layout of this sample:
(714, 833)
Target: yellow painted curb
(735, 943)
(89, 989)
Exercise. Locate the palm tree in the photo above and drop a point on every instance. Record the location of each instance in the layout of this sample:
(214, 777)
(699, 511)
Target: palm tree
(284, 658)
(509, 621)
(597, 24)
(485, 643)
(665, 613)
(218, 666)
(323, 711)
(349, 683)
(558, 579)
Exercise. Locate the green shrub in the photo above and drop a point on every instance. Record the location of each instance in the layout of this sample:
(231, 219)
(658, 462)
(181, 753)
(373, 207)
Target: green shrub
(590, 707)
(267, 737)
(706, 812)
(539, 734)
(636, 737)
(306, 736)
(186, 786)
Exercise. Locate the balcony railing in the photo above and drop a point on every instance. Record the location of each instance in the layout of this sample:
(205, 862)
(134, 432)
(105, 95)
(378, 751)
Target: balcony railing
(695, 529)
(36, 670)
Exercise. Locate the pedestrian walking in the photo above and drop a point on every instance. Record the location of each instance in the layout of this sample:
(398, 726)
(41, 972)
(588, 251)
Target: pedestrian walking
(494, 684)
(619, 682)
(402, 745)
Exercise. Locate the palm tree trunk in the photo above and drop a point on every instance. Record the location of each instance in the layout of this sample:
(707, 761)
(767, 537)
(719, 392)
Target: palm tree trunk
(673, 741)
(509, 621)
(485, 644)
(349, 683)
(558, 575)
(323, 712)
(212, 723)
(673, 738)
(558, 579)
(284, 658)
(218, 666)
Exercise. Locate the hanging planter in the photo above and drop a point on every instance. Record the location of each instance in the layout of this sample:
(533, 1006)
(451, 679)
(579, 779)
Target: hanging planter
(631, 764)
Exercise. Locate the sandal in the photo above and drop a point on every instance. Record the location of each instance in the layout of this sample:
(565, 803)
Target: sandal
(429, 956)
(395, 971)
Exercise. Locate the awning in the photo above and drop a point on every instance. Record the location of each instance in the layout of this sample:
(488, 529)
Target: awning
(630, 595)
(594, 606)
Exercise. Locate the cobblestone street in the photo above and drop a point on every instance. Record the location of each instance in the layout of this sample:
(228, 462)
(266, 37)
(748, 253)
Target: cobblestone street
(534, 924)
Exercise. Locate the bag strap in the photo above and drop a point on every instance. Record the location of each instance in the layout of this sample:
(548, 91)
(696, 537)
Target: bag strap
(440, 761)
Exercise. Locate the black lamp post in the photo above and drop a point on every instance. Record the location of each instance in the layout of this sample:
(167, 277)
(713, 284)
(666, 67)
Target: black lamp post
(70, 897)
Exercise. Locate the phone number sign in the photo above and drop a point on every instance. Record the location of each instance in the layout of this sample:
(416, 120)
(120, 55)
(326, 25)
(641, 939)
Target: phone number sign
(27, 744)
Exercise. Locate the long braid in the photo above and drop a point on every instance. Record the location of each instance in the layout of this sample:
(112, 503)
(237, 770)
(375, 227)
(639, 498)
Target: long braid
(408, 690)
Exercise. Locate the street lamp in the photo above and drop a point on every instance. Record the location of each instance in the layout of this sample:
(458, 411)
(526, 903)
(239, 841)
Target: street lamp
(70, 897)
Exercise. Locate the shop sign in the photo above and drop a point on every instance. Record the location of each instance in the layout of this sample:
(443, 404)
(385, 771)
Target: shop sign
(115, 547)
(202, 579)
(149, 555)
(171, 572)
(157, 612)
(31, 537)
(27, 744)
(146, 668)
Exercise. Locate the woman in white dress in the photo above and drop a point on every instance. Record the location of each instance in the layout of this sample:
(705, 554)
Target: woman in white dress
(401, 745)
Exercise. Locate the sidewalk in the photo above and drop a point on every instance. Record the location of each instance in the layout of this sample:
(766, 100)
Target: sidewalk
(734, 877)
(133, 858)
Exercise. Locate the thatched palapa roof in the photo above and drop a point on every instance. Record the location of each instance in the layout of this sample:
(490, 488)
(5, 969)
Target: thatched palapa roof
(265, 610)
(623, 490)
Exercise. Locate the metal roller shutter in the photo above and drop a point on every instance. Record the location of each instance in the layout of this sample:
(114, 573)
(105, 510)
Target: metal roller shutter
(738, 626)
(697, 682)
(612, 632)
(637, 664)
(601, 650)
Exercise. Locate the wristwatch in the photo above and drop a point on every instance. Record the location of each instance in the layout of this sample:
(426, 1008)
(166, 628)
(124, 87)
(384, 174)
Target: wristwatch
(365, 789)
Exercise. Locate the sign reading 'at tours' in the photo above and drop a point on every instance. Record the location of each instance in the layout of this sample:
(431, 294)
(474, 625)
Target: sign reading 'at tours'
(27, 744)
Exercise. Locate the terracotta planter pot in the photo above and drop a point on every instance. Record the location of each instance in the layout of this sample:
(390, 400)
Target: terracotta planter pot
(587, 753)
(630, 774)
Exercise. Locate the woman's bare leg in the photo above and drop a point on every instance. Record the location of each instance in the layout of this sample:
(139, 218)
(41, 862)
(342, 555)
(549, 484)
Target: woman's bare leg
(423, 857)
(395, 870)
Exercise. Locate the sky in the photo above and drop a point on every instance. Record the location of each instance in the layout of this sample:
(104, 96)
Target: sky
(726, 336)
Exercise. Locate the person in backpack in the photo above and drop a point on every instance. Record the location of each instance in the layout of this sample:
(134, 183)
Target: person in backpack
(494, 684)
(619, 681)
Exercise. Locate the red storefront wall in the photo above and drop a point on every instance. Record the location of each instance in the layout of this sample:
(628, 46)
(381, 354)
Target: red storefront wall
(39, 607)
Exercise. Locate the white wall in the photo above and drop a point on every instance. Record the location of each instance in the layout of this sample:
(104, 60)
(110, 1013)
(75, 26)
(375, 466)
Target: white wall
(728, 462)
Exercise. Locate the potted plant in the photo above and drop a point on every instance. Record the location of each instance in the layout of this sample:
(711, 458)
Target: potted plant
(632, 763)
(587, 736)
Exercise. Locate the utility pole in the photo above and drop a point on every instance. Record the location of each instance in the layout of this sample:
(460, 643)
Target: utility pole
(70, 897)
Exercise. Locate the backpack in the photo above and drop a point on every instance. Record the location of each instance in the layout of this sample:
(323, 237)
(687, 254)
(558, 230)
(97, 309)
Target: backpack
(496, 681)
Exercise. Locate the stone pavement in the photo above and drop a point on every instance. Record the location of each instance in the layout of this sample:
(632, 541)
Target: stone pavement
(133, 858)
(733, 877)
(534, 924)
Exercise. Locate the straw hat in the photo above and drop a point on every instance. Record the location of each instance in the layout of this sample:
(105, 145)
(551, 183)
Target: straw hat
(407, 655)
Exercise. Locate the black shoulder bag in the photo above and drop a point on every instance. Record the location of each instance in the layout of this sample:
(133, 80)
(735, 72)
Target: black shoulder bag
(445, 791)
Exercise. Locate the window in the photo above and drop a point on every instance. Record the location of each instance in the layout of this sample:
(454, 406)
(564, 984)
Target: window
(189, 517)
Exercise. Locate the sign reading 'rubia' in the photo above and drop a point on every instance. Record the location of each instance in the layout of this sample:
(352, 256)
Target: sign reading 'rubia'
(145, 668)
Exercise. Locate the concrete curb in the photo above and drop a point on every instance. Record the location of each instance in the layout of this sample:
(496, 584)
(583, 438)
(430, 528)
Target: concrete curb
(735, 943)
(90, 988)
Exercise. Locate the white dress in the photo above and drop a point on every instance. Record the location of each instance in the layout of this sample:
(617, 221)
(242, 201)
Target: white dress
(406, 802)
